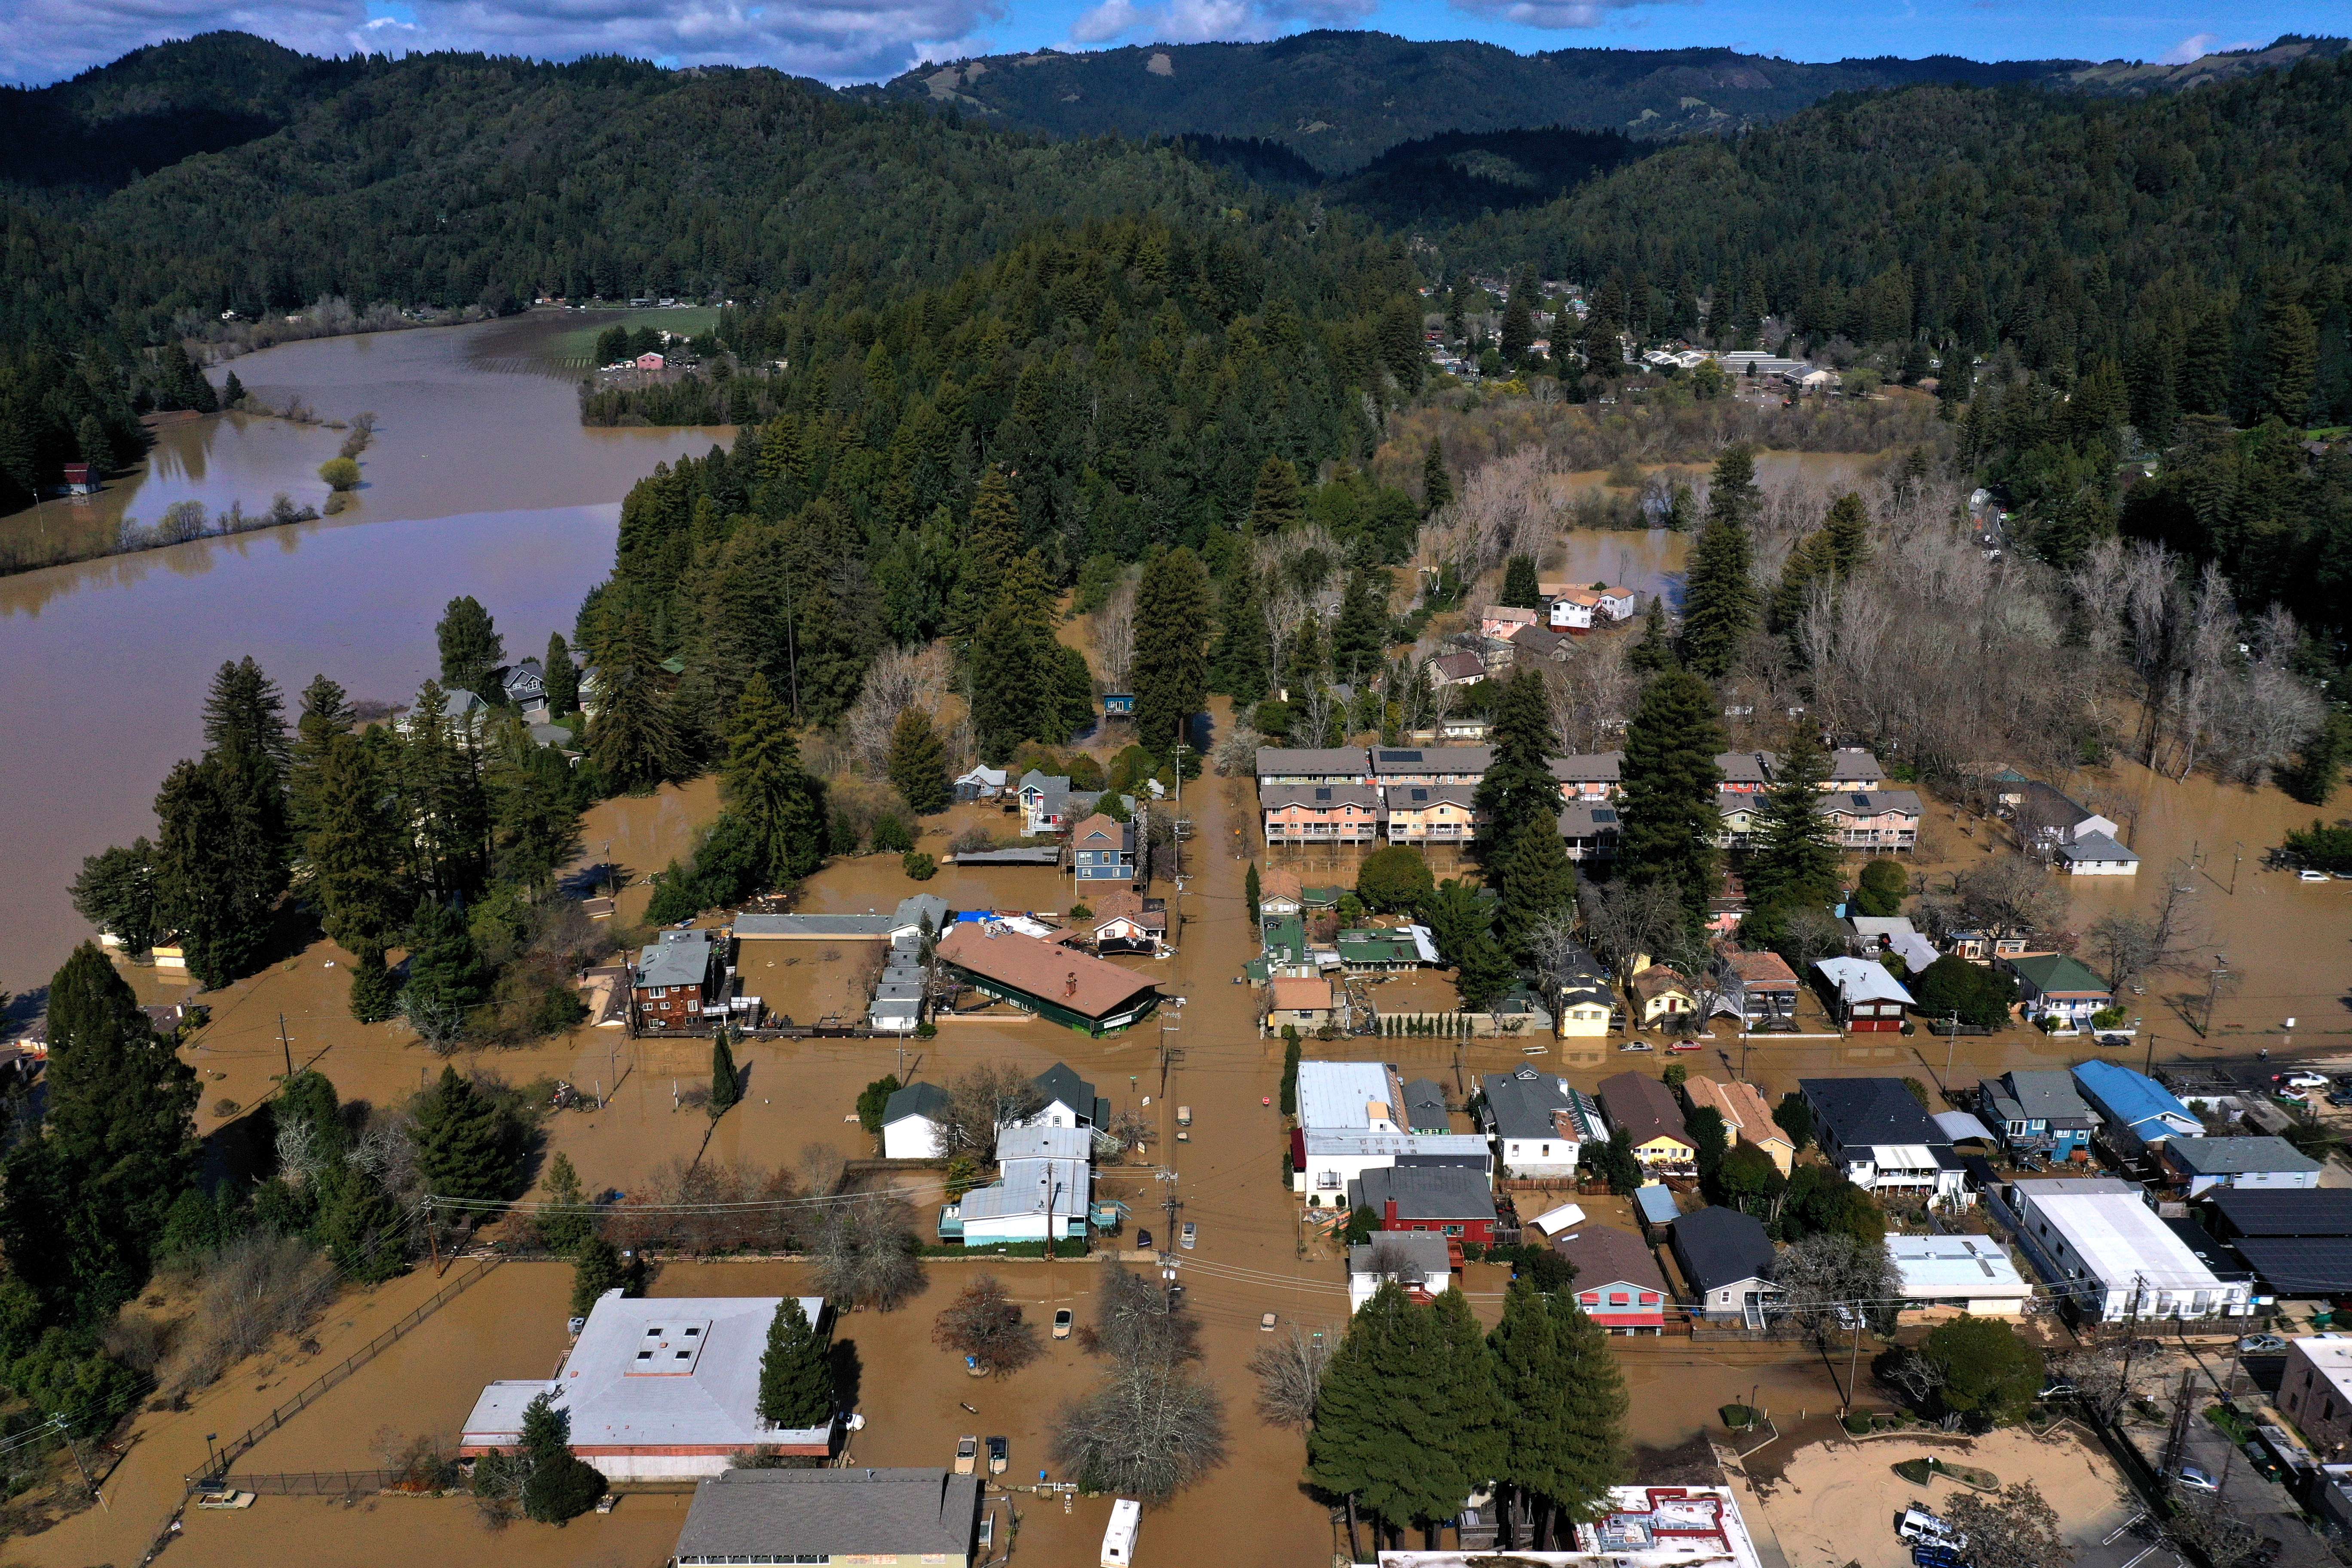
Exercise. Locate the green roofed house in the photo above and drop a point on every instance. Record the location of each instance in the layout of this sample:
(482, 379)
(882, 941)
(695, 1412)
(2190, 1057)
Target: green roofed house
(2057, 987)
(1285, 940)
(1373, 950)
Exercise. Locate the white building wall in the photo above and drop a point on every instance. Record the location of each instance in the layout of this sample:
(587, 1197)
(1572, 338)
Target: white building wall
(1525, 1158)
(912, 1137)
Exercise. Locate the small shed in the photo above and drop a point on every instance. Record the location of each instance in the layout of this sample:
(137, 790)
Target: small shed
(1119, 704)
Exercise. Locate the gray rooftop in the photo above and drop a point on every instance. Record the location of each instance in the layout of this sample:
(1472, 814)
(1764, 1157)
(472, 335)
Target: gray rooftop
(778, 1515)
(1391, 760)
(916, 1100)
(679, 958)
(2037, 1095)
(2094, 846)
(846, 928)
(1413, 1252)
(1532, 1103)
(1307, 761)
(1426, 1193)
(2237, 1156)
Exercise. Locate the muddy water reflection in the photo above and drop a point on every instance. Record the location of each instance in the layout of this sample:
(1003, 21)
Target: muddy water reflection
(476, 418)
(107, 663)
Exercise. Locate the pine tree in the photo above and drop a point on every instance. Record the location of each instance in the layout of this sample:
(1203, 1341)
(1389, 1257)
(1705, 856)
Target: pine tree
(1519, 583)
(1518, 329)
(1528, 1376)
(374, 996)
(1468, 1423)
(633, 737)
(1667, 808)
(446, 976)
(215, 885)
(1275, 502)
(2318, 767)
(1793, 860)
(563, 677)
(1171, 612)
(795, 1373)
(463, 1147)
(1250, 888)
(471, 647)
(597, 1266)
(1656, 651)
(1436, 484)
(115, 891)
(725, 1089)
(2290, 365)
(1074, 687)
(1238, 668)
(1720, 601)
(1596, 1457)
(439, 794)
(1526, 861)
(353, 850)
(566, 1222)
(84, 1202)
(1847, 530)
(1359, 635)
(325, 714)
(362, 1229)
(1806, 565)
(767, 787)
(992, 543)
(917, 765)
(556, 1484)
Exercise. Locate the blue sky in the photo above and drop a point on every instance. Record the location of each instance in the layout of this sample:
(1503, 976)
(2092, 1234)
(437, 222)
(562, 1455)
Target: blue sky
(853, 40)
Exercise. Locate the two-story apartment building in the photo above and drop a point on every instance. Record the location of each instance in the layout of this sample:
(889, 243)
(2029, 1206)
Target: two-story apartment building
(1431, 765)
(1321, 813)
(1882, 822)
(1308, 765)
(1590, 830)
(1864, 997)
(1745, 772)
(2115, 1257)
(1589, 776)
(1854, 768)
(1432, 814)
(1103, 850)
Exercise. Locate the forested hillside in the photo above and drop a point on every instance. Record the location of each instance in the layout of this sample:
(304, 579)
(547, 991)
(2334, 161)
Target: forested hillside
(1338, 99)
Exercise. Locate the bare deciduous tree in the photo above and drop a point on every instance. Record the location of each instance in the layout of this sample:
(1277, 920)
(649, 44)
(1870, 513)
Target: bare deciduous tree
(1136, 1322)
(897, 679)
(1627, 922)
(1149, 1431)
(1828, 1270)
(984, 1323)
(989, 1096)
(866, 1251)
(2108, 1375)
(2015, 1528)
(1113, 636)
(254, 1289)
(1289, 1374)
(2005, 896)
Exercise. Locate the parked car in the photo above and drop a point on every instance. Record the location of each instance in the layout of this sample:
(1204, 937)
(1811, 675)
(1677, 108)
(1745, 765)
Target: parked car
(1636, 1045)
(1062, 1322)
(1142, 1241)
(967, 1456)
(2113, 1042)
(1192, 1234)
(2300, 1079)
(1686, 1046)
(998, 1452)
(2309, 875)
(2263, 1344)
(1936, 1555)
(2195, 1478)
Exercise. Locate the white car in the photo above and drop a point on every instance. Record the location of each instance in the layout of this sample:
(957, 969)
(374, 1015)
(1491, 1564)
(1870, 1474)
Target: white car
(2303, 1080)
(2309, 875)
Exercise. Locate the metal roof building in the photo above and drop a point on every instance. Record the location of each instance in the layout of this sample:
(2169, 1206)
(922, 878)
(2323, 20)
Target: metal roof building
(2108, 1249)
(819, 1516)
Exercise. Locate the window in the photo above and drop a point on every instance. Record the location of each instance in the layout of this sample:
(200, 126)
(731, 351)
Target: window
(1589, 1298)
(1546, 1148)
(1619, 1299)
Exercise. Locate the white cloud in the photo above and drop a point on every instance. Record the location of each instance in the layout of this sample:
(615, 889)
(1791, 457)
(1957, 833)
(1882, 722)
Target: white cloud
(2197, 46)
(1547, 14)
(1206, 21)
(836, 40)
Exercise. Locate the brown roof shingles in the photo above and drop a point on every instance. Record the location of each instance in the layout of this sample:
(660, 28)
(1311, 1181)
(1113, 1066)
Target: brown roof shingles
(1083, 984)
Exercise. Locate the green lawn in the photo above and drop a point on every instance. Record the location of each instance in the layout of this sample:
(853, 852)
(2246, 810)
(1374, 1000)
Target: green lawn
(576, 348)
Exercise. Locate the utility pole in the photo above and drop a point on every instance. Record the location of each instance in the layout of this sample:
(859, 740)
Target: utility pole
(1854, 1363)
(286, 1046)
(1951, 1044)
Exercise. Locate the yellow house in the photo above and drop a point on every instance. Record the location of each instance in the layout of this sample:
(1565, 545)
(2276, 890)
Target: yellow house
(1661, 995)
(1745, 1115)
(1584, 1011)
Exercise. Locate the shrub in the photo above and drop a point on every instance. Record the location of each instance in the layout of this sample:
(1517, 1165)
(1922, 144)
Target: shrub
(1883, 884)
(919, 866)
(890, 836)
(341, 473)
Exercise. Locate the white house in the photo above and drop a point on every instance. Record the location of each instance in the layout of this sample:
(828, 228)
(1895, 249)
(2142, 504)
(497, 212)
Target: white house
(2106, 1249)
(982, 783)
(1351, 1120)
(657, 1389)
(1031, 1200)
(2095, 855)
(1971, 1273)
(1420, 1260)
(914, 1123)
(1538, 1123)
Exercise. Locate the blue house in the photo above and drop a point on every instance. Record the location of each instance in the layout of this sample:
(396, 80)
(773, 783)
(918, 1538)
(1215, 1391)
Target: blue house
(1119, 704)
(1104, 850)
(2040, 1113)
(2140, 1113)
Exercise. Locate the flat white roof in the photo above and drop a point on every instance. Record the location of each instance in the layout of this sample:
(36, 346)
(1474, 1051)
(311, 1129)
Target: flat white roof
(2331, 1356)
(1331, 1145)
(2116, 1235)
(1028, 1187)
(679, 1371)
(1332, 1096)
(1862, 980)
(1902, 1156)
(1941, 1266)
(1043, 1143)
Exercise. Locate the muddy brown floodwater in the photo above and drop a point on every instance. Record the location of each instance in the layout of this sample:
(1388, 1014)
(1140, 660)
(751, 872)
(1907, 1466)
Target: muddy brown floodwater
(482, 480)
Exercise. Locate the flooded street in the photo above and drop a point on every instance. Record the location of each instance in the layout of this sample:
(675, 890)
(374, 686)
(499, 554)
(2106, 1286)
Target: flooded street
(480, 480)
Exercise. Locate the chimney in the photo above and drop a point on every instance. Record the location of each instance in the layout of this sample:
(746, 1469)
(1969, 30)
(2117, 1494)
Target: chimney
(1070, 985)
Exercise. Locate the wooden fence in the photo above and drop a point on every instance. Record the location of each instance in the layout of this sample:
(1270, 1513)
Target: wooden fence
(242, 1442)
